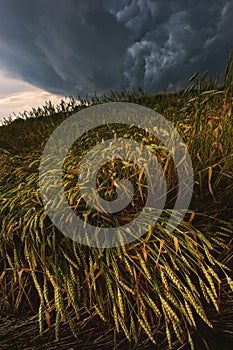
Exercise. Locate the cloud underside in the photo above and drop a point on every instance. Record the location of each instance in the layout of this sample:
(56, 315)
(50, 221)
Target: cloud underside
(77, 47)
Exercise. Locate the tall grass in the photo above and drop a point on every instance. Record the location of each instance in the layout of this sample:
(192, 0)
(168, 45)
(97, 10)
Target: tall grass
(159, 286)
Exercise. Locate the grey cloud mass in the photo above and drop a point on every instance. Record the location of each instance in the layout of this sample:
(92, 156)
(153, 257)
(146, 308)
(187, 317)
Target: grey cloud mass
(85, 46)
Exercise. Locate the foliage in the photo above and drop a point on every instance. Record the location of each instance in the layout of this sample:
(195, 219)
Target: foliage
(163, 283)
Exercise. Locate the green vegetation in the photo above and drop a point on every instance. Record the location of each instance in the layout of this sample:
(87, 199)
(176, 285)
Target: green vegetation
(162, 288)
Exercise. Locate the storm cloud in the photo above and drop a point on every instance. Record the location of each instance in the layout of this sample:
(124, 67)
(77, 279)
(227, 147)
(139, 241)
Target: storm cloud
(76, 47)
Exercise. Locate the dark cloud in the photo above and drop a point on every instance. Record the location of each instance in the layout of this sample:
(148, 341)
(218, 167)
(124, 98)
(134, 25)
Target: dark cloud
(74, 47)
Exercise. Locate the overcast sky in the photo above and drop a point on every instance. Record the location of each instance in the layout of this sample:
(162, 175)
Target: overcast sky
(73, 47)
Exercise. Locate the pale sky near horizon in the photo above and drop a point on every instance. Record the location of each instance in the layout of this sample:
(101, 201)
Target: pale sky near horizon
(87, 47)
(18, 96)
